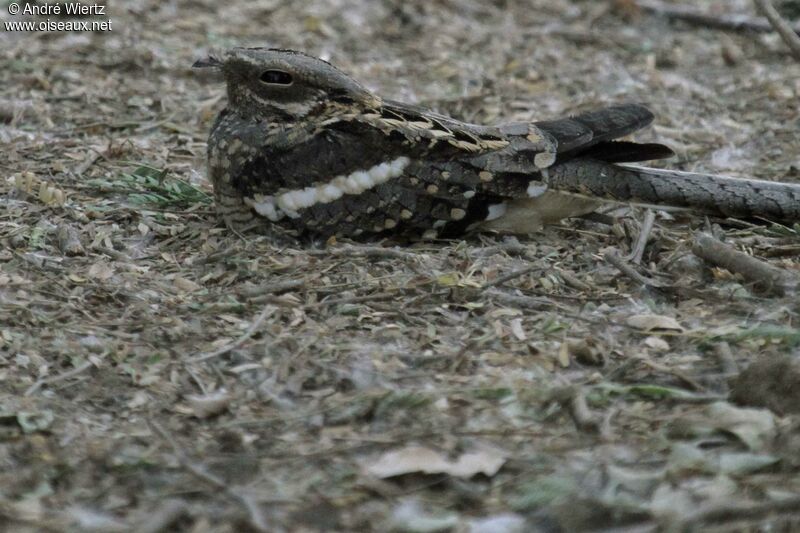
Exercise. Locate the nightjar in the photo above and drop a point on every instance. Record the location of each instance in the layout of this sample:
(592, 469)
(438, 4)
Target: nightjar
(304, 146)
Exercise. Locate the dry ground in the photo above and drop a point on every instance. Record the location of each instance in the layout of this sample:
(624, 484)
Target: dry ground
(158, 372)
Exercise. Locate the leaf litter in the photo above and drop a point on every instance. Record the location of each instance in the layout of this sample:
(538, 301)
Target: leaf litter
(159, 371)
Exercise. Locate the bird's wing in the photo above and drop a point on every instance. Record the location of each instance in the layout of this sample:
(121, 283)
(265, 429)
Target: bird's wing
(443, 174)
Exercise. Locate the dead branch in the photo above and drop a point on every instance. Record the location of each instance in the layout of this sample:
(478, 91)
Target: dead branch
(644, 236)
(272, 288)
(60, 377)
(525, 302)
(693, 15)
(511, 275)
(613, 257)
(573, 400)
(734, 512)
(265, 313)
(788, 34)
(764, 276)
(725, 357)
(372, 252)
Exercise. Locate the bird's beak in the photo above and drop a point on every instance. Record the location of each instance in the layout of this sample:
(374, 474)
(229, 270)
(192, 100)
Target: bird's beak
(209, 62)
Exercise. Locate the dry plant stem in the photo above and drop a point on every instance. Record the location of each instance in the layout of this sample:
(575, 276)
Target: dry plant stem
(273, 288)
(386, 295)
(66, 375)
(572, 281)
(688, 13)
(265, 313)
(573, 400)
(725, 358)
(686, 379)
(613, 257)
(765, 276)
(644, 236)
(734, 512)
(584, 419)
(525, 302)
(257, 519)
(511, 275)
(787, 33)
(375, 252)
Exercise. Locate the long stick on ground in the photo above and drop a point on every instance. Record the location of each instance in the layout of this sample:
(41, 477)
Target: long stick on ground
(789, 34)
(265, 313)
(691, 14)
(763, 275)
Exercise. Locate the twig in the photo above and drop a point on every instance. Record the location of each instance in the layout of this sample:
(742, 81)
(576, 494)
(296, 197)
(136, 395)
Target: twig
(90, 160)
(511, 275)
(572, 281)
(375, 252)
(510, 247)
(378, 296)
(527, 302)
(272, 288)
(265, 313)
(787, 33)
(764, 276)
(61, 377)
(573, 400)
(685, 378)
(257, 519)
(725, 357)
(734, 512)
(613, 257)
(693, 15)
(644, 236)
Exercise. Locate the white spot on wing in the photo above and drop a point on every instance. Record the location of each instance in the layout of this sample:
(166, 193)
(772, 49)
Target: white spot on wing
(290, 202)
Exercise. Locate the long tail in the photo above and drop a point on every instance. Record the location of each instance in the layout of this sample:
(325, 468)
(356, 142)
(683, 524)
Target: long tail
(593, 135)
(707, 193)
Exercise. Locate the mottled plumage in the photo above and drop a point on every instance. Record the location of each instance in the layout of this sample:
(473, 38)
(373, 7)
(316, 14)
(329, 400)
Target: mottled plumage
(306, 147)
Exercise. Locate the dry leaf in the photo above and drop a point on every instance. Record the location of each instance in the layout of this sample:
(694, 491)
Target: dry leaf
(185, 285)
(657, 343)
(206, 405)
(563, 354)
(516, 329)
(414, 458)
(100, 271)
(754, 427)
(654, 323)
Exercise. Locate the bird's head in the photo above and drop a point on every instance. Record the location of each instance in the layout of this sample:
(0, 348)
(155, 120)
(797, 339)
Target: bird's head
(284, 85)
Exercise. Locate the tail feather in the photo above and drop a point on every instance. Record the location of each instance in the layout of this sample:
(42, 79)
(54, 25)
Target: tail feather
(591, 134)
(627, 152)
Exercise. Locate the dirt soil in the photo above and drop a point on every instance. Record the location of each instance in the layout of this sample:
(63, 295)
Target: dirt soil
(161, 373)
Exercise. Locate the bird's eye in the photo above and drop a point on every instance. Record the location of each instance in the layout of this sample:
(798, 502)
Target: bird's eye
(276, 77)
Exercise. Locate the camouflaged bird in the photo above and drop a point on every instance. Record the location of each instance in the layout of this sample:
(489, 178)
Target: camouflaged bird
(304, 146)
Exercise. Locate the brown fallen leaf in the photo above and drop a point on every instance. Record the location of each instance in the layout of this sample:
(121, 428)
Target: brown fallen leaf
(483, 460)
(649, 322)
(206, 405)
